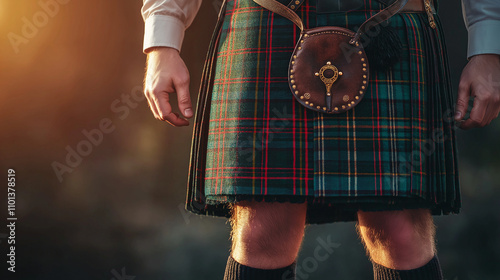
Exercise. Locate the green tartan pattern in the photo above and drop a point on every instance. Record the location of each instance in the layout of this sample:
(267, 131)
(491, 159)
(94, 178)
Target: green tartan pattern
(396, 149)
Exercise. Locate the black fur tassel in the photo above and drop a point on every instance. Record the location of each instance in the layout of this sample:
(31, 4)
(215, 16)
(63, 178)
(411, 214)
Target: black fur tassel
(382, 46)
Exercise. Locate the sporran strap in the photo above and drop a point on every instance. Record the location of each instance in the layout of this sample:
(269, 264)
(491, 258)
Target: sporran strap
(282, 10)
(383, 15)
(378, 18)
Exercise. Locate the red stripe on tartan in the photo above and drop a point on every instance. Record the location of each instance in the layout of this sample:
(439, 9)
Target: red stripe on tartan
(294, 129)
(274, 173)
(379, 140)
(290, 130)
(420, 102)
(217, 136)
(237, 130)
(303, 128)
(259, 119)
(348, 149)
(252, 168)
(298, 118)
(255, 50)
(238, 80)
(225, 97)
(251, 129)
(284, 80)
(266, 88)
(344, 139)
(269, 101)
(263, 178)
(306, 142)
(367, 126)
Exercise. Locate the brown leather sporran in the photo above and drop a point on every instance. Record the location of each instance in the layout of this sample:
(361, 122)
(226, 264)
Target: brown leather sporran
(326, 72)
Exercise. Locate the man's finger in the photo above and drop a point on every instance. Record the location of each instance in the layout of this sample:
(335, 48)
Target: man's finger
(175, 120)
(477, 115)
(463, 99)
(184, 98)
(166, 114)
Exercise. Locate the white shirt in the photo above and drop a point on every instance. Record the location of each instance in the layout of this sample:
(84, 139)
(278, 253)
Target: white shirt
(482, 19)
(167, 20)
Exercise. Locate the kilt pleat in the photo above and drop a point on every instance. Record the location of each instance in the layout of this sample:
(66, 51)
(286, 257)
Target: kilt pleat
(253, 141)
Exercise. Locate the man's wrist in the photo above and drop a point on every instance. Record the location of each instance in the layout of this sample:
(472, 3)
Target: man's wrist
(162, 53)
(161, 49)
(487, 56)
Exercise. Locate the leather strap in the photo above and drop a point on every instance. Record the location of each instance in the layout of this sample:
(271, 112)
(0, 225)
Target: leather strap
(385, 14)
(329, 6)
(378, 18)
(282, 10)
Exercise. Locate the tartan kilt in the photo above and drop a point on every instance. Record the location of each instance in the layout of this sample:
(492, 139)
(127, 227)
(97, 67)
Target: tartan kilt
(253, 141)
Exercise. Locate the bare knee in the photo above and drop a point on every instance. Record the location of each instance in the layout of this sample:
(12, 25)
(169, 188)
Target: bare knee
(397, 228)
(267, 235)
(398, 236)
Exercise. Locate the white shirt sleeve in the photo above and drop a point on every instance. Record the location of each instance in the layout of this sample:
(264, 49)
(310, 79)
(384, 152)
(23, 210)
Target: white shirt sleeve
(482, 19)
(166, 21)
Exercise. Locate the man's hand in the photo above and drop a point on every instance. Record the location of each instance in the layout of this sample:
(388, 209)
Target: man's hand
(481, 80)
(166, 73)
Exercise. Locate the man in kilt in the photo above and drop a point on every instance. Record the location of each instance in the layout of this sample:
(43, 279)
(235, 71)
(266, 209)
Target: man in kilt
(273, 166)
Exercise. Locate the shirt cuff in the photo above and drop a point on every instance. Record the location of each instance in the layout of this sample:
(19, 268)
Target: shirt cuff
(163, 31)
(484, 38)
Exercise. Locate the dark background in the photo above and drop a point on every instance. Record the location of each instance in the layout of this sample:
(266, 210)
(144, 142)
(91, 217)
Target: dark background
(120, 210)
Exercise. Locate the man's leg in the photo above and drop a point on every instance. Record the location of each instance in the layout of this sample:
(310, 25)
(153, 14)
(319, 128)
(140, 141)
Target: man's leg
(266, 239)
(400, 244)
